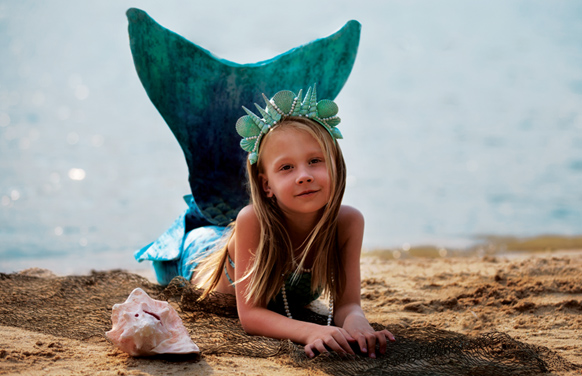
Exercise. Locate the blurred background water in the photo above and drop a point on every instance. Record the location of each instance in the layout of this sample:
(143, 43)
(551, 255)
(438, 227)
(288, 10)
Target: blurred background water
(460, 119)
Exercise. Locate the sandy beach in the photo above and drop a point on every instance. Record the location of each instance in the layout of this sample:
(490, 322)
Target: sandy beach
(535, 298)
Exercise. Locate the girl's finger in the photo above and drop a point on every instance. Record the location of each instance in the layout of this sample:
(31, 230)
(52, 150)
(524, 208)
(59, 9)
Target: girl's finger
(309, 351)
(371, 341)
(381, 336)
(389, 335)
(343, 343)
(362, 343)
(333, 345)
(347, 335)
(319, 346)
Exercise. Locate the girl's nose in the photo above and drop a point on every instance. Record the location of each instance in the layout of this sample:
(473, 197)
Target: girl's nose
(304, 177)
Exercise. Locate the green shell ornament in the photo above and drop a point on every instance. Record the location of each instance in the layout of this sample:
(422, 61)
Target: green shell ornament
(285, 104)
(327, 108)
(284, 100)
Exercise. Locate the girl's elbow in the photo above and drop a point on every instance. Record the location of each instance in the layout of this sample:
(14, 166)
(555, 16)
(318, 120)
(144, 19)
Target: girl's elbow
(248, 325)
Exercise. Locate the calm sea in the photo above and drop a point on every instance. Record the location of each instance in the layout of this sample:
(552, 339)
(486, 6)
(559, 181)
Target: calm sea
(460, 119)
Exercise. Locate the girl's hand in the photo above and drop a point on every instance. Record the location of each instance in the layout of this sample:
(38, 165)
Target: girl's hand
(337, 339)
(359, 329)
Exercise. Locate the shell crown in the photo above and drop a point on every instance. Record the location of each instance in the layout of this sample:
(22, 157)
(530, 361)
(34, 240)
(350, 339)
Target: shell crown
(286, 103)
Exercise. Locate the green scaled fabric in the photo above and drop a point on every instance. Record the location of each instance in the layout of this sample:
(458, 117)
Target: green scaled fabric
(200, 98)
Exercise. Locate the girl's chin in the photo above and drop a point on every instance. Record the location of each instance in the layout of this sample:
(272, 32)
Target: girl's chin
(302, 209)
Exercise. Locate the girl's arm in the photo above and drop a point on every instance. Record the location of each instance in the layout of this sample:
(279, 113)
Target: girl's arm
(348, 310)
(258, 320)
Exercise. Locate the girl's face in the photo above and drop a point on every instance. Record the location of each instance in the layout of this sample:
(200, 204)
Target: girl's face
(294, 171)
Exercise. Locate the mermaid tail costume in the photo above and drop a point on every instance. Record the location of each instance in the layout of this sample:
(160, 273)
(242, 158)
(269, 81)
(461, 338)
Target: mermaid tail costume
(200, 97)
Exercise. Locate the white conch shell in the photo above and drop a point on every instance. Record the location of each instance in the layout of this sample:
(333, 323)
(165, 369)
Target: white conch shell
(143, 326)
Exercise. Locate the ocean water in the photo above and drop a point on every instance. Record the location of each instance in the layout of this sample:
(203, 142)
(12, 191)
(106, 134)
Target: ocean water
(460, 119)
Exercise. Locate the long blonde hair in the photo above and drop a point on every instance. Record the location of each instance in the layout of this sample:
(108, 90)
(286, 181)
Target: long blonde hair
(275, 255)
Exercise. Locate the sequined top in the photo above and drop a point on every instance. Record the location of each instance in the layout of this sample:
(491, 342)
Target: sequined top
(298, 293)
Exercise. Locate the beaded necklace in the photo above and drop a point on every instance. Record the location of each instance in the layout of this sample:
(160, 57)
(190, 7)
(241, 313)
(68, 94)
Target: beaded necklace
(286, 302)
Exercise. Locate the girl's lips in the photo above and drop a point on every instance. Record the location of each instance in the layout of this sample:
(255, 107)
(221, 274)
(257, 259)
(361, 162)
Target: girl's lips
(306, 193)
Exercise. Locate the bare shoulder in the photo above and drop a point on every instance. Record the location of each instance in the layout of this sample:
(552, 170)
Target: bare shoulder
(247, 217)
(247, 214)
(350, 225)
(349, 216)
(247, 223)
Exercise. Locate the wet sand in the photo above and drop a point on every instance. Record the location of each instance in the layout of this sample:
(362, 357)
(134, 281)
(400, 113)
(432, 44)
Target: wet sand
(534, 297)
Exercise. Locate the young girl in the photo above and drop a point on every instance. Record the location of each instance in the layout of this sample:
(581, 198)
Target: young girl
(294, 240)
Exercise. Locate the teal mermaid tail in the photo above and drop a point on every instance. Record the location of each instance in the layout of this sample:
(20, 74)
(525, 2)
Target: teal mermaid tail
(200, 97)
(176, 251)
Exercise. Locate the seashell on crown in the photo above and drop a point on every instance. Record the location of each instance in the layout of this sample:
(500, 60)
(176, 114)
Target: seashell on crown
(282, 105)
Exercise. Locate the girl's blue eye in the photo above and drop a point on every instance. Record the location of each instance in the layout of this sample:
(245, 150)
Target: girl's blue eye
(315, 160)
(286, 167)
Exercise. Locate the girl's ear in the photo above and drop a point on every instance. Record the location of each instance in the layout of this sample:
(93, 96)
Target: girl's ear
(265, 185)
